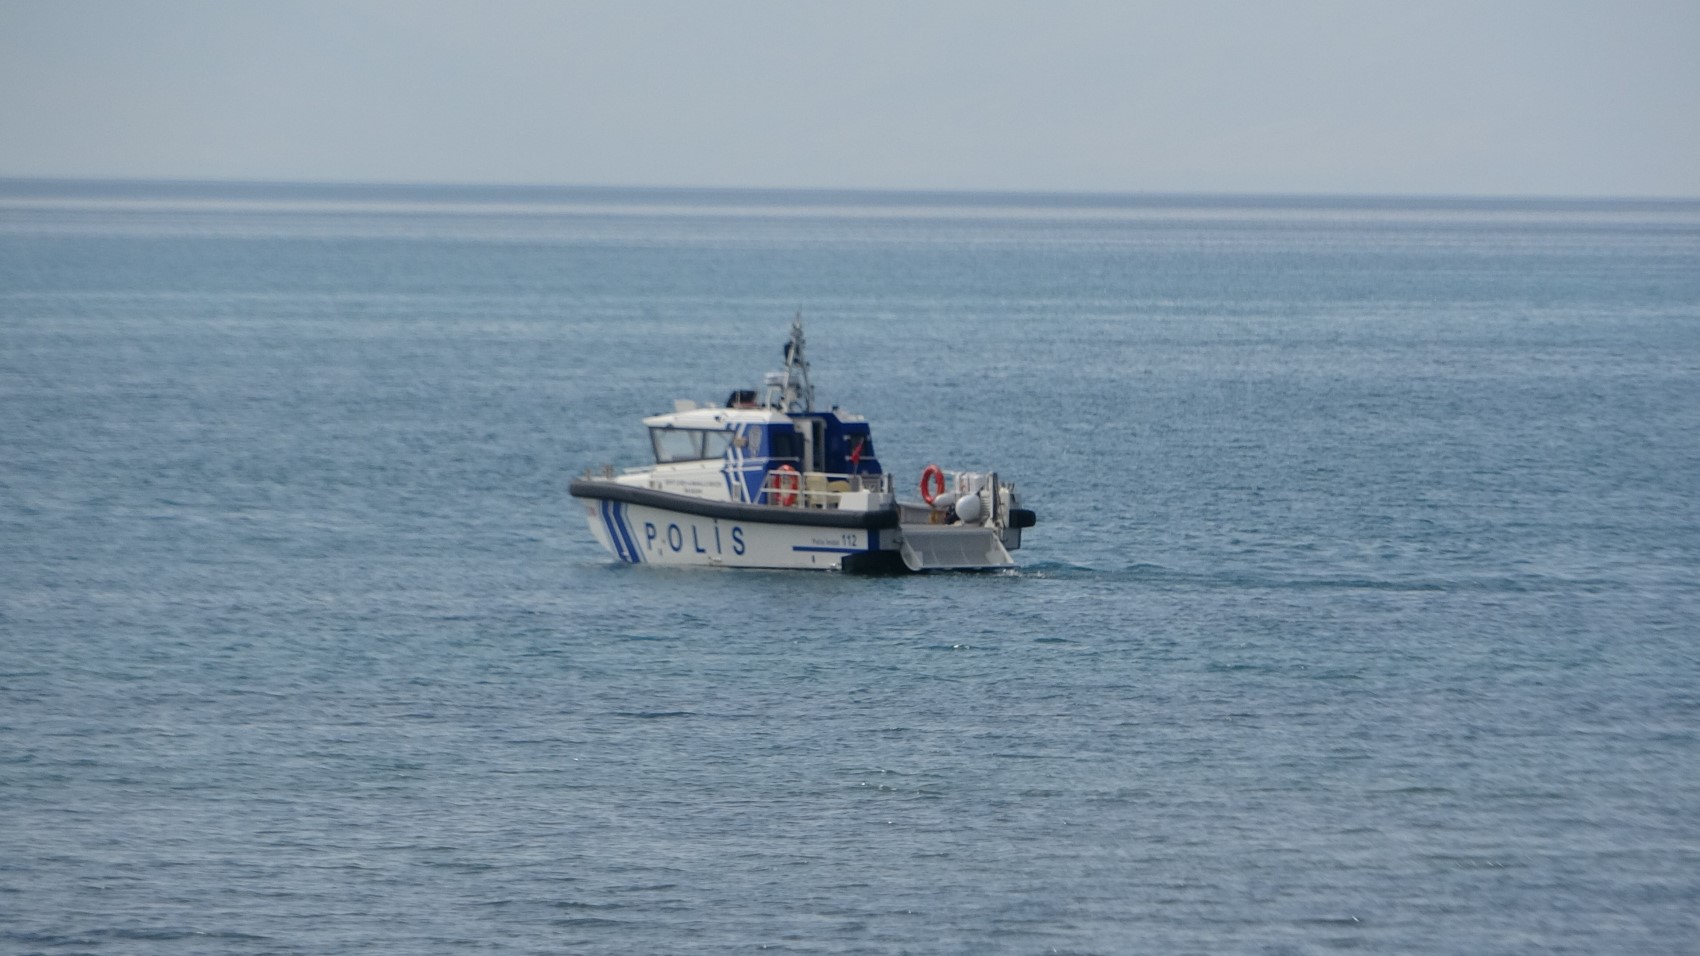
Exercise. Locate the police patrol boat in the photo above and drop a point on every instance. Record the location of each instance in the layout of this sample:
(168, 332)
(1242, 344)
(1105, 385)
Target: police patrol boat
(769, 481)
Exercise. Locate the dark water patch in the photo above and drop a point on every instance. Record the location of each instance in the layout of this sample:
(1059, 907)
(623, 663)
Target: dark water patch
(588, 922)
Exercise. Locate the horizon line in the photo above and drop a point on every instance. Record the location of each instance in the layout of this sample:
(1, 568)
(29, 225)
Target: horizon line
(173, 182)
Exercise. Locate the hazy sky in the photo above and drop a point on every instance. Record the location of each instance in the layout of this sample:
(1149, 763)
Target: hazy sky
(1515, 97)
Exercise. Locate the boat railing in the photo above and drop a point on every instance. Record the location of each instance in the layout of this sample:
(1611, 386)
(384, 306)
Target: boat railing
(609, 472)
(816, 489)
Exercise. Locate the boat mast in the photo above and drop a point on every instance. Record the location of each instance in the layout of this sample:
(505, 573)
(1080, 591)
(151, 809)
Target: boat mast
(798, 393)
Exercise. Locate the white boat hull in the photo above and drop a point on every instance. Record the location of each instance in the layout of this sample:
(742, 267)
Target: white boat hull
(641, 526)
(641, 534)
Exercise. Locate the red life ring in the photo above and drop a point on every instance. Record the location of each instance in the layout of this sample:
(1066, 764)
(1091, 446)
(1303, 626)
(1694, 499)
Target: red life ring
(785, 477)
(937, 475)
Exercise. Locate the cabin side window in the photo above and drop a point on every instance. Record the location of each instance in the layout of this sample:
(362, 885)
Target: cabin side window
(688, 444)
(786, 443)
(714, 444)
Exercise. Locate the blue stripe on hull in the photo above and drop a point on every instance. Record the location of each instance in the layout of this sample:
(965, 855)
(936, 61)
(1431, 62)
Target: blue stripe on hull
(614, 520)
(633, 555)
(608, 526)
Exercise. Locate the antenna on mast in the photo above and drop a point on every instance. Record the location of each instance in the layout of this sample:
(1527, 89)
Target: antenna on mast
(799, 391)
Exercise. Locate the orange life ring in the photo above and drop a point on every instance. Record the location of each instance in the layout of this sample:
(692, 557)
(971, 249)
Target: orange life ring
(935, 473)
(785, 477)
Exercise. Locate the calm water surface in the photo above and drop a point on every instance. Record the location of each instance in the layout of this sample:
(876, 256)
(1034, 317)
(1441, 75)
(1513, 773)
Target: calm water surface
(1362, 613)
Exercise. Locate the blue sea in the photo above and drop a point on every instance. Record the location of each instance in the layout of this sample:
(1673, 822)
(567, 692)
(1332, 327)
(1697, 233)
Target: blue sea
(1362, 613)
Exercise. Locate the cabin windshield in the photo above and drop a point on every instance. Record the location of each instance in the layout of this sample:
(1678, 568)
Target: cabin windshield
(688, 444)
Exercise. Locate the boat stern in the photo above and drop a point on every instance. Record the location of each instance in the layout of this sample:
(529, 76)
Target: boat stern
(970, 521)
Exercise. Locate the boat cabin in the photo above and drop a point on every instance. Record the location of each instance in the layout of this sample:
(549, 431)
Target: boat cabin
(753, 448)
